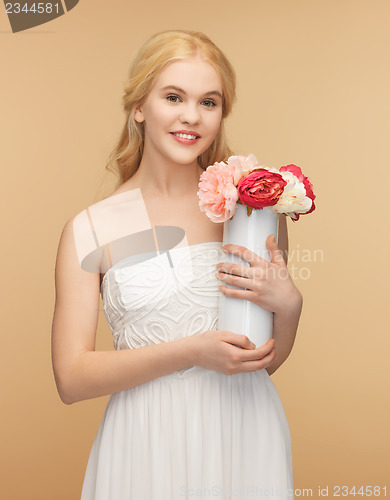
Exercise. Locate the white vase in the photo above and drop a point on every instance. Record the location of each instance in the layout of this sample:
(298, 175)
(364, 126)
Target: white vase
(238, 315)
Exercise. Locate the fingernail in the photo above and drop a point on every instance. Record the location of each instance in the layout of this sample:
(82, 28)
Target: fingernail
(253, 345)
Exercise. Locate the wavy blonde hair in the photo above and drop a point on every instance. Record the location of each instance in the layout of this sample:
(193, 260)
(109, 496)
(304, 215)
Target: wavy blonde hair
(158, 51)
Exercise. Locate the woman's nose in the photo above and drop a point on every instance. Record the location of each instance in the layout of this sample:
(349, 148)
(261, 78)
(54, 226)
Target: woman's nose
(190, 114)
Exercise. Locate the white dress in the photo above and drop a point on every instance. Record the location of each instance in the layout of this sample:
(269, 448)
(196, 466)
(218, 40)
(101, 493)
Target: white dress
(194, 433)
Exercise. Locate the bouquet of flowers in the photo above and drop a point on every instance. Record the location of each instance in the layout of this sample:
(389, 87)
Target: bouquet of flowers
(242, 180)
(236, 189)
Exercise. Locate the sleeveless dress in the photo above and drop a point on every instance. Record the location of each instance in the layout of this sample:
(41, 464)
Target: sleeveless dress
(195, 432)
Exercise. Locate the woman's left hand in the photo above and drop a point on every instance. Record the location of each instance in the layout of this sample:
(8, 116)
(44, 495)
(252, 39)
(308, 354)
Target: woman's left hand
(267, 284)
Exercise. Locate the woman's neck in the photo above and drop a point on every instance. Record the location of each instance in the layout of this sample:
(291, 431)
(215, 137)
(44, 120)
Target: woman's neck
(167, 179)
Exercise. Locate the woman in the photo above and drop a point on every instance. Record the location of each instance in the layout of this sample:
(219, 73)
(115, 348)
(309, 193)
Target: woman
(192, 410)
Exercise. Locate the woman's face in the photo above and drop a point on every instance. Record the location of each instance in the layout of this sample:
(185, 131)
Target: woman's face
(186, 98)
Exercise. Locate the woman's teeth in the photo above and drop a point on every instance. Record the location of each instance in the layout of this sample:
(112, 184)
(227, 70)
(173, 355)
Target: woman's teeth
(185, 136)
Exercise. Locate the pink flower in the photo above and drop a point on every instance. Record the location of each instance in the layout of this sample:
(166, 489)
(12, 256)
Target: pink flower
(295, 170)
(261, 188)
(217, 190)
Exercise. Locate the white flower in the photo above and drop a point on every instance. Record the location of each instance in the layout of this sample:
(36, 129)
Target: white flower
(293, 200)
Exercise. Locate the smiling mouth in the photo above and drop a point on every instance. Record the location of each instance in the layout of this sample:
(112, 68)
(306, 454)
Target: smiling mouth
(185, 136)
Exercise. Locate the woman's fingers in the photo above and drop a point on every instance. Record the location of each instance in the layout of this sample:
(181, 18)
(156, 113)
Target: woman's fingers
(251, 366)
(249, 359)
(245, 253)
(243, 341)
(257, 359)
(238, 340)
(259, 352)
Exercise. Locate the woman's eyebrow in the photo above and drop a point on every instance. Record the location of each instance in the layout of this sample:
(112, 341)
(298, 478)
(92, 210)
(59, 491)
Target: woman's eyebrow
(212, 92)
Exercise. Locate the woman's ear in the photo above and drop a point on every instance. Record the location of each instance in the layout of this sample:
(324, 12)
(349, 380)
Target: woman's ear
(138, 115)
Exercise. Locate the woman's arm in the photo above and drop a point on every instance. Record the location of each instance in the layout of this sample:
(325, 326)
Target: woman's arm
(284, 330)
(285, 323)
(81, 372)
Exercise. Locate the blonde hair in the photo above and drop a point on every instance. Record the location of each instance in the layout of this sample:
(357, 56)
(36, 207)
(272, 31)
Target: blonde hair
(158, 51)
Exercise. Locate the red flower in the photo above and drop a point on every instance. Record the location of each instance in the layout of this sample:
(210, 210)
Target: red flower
(261, 188)
(294, 169)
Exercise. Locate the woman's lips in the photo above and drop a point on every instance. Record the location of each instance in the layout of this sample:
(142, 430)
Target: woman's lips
(182, 140)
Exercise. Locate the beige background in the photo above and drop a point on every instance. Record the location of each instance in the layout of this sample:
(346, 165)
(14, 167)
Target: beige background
(313, 89)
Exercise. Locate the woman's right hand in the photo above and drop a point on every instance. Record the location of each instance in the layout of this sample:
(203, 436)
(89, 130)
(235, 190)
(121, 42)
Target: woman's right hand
(217, 350)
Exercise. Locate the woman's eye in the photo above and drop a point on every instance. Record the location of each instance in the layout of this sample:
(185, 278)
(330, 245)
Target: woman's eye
(171, 96)
(210, 103)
